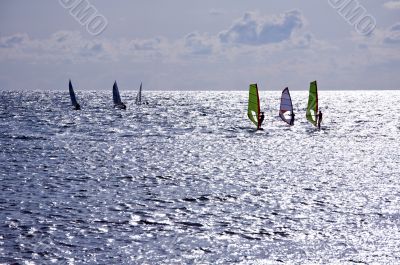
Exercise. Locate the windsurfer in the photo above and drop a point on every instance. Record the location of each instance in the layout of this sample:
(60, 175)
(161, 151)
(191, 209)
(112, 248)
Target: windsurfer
(260, 121)
(77, 106)
(292, 118)
(319, 119)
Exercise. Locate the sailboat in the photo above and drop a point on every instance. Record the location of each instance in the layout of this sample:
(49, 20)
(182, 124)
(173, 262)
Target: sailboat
(312, 107)
(117, 98)
(138, 100)
(73, 97)
(253, 109)
(286, 106)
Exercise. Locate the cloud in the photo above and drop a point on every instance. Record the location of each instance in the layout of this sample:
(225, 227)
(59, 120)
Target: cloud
(380, 48)
(392, 5)
(253, 29)
(91, 50)
(146, 44)
(392, 35)
(198, 44)
(65, 36)
(62, 45)
(13, 41)
(73, 47)
(251, 35)
(216, 12)
(381, 38)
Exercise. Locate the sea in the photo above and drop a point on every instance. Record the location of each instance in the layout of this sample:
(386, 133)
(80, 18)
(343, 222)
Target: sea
(187, 179)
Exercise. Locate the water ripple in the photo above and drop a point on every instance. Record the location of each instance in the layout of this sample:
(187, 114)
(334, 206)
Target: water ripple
(187, 180)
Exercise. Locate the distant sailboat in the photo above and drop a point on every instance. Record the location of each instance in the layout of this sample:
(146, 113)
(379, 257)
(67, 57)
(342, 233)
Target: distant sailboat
(253, 110)
(312, 107)
(286, 106)
(138, 100)
(117, 98)
(73, 97)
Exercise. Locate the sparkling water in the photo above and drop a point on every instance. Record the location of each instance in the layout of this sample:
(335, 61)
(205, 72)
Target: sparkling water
(188, 180)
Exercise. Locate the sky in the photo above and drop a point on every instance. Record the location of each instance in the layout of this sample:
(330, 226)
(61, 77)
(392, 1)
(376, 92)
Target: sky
(199, 45)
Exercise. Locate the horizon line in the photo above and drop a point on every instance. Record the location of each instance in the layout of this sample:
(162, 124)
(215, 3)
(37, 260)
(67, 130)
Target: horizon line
(193, 90)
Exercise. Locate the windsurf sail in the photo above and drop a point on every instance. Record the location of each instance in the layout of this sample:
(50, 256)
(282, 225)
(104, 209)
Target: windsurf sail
(253, 110)
(286, 106)
(139, 95)
(72, 95)
(116, 97)
(312, 107)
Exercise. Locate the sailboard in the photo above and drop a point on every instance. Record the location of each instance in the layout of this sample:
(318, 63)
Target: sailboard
(117, 98)
(286, 106)
(253, 109)
(312, 106)
(138, 100)
(73, 97)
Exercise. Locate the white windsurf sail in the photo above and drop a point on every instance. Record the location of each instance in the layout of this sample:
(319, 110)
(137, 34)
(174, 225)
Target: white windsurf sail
(286, 106)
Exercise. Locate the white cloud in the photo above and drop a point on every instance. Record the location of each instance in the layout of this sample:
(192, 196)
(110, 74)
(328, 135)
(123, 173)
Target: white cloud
(146, 44)
(62, 45)
(380, 48)
(253, 29)
(392, 35)
(216, 12)
(13, 41)
(198, 44)
(392, 5)
(383, 38)
(72, 46)
(254, 33)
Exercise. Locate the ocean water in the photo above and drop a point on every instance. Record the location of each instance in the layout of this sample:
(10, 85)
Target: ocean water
(188, 180)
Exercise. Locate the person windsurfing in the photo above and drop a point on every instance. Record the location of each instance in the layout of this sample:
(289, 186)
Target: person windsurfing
(260, 121)
(77, 106)
(292, 118)
(319, 120)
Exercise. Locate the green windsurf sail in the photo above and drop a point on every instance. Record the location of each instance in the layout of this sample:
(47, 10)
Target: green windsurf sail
(253, 110)
(312, 107)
